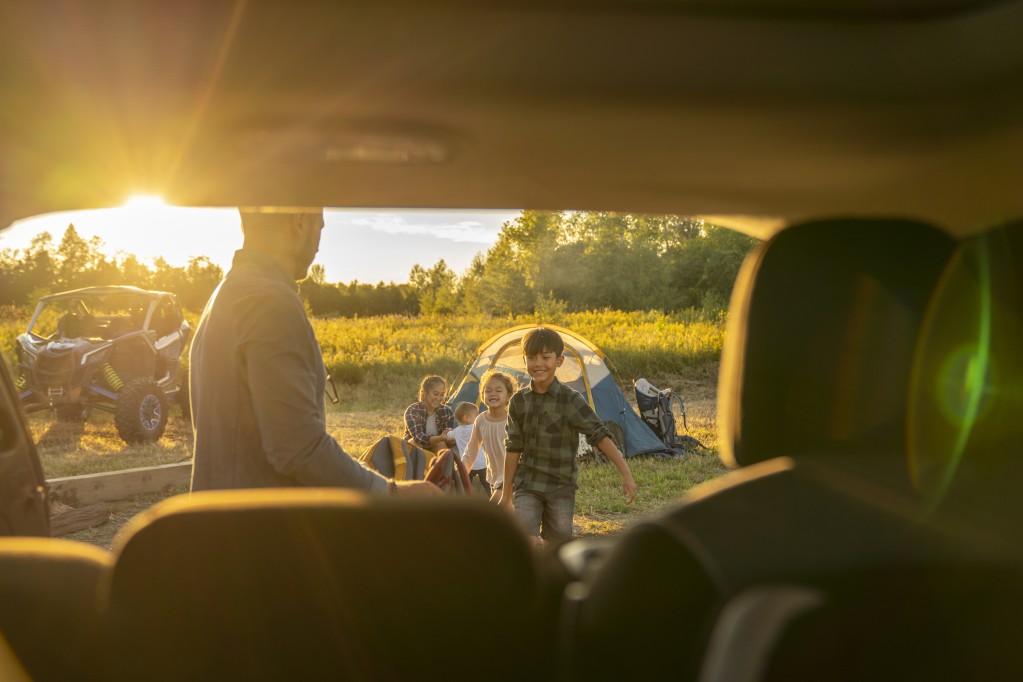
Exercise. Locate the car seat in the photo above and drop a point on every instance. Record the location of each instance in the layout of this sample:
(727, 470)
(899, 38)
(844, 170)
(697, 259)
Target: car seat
(953, 622)
(965, 425)
(912, 620)
(50, 606)
(307, 583)
(812, 410)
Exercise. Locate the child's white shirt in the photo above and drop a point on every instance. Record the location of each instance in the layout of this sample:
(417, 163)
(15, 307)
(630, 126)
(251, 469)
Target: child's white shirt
(462, 433)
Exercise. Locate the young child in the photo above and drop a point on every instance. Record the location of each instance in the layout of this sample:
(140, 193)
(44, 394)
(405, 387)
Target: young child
(466, 414)
(489, 428)
(544, 422)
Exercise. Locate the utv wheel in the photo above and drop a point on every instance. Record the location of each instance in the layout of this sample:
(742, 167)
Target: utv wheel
(140, 414)
(72, 414)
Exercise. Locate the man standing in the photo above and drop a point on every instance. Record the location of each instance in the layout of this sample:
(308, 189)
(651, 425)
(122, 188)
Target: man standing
(257, 377)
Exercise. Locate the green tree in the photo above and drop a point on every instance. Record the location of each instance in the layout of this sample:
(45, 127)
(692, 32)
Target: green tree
(470, 285)
(133, 273)
(39, 271)
(317, 274)
(435, 288)
(75, 257)
(704, 272)
(201, 277)
(504, 290)
(608, 260)
(512, 272)
(166, 277)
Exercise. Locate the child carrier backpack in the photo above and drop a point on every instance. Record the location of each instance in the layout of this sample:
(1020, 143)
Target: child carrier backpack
(658, 408)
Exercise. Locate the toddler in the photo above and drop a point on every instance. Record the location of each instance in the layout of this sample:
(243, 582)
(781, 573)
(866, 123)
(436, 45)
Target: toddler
(465, 414)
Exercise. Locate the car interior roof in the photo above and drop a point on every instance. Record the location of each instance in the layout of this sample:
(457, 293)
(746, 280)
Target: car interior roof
(760, 113)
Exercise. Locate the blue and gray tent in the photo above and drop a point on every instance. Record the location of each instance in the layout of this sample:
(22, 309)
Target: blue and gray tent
(585, 369)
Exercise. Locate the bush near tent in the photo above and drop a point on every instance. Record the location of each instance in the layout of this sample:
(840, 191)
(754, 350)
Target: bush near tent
(585, 369)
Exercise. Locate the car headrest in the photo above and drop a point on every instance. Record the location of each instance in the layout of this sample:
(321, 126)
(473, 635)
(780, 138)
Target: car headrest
(820, 340)
(966, 407)
(289, 583)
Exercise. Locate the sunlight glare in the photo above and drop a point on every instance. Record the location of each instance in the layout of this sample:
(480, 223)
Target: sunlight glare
(146, 202)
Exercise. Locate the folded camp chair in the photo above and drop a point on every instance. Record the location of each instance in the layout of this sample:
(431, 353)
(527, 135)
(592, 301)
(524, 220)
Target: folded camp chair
(298, 584)
(812, 408)
(398, 459)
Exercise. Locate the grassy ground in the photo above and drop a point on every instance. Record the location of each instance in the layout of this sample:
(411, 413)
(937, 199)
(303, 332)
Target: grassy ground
(78, 449)
(378, 363)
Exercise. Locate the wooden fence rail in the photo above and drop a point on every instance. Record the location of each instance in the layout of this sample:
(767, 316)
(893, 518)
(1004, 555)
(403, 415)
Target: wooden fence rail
(76, 491)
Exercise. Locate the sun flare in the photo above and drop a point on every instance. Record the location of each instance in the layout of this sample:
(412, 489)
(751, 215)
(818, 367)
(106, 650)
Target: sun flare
(146, 202)
(146, 226)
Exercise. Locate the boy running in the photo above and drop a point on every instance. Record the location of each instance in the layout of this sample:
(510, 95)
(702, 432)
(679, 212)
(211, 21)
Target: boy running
(544, 423)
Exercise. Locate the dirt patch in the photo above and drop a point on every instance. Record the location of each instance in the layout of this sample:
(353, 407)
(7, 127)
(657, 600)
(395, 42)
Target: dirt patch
(121, 512)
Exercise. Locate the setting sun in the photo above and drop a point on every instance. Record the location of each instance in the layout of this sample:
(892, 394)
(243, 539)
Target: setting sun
(364, 245)
(144, 202)
(144, 226)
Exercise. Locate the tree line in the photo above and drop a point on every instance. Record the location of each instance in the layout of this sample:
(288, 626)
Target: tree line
(575, 261)
(542, 261)
(44, 267)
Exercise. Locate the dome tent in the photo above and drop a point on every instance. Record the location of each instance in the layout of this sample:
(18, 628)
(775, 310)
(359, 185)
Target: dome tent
(585, 370)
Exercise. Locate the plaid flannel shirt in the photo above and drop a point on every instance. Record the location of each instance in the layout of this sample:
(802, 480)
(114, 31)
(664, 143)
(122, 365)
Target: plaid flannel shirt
(415, 423)
(545, 428)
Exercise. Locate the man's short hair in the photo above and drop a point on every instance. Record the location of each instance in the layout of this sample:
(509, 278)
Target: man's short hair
(462, 409)
(542, 339)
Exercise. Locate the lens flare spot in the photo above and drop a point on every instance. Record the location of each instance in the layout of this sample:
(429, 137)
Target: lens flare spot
(963, 384)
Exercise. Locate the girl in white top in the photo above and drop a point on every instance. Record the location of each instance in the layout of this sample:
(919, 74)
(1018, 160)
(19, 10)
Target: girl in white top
(489, 427)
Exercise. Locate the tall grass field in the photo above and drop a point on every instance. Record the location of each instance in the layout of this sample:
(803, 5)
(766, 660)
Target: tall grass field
(378, 362)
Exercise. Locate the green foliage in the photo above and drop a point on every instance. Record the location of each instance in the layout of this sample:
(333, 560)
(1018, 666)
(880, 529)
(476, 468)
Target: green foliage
(43, 268)
(661, 484)
(394, 352)
(435, 288)
(543, 263)
(318, 274)
(588, 261)
(357, 299)
(377, 364)
(550, 309)
(346, 372)
(703, 275)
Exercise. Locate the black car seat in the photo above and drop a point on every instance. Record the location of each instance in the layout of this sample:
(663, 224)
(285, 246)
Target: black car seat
(912, 620)
(323, 583)
(966, 408)
(941, 622)
(812, 409)
(50, 606)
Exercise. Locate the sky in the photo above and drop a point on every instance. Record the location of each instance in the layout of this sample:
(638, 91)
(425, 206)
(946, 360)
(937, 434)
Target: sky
(366, 245)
